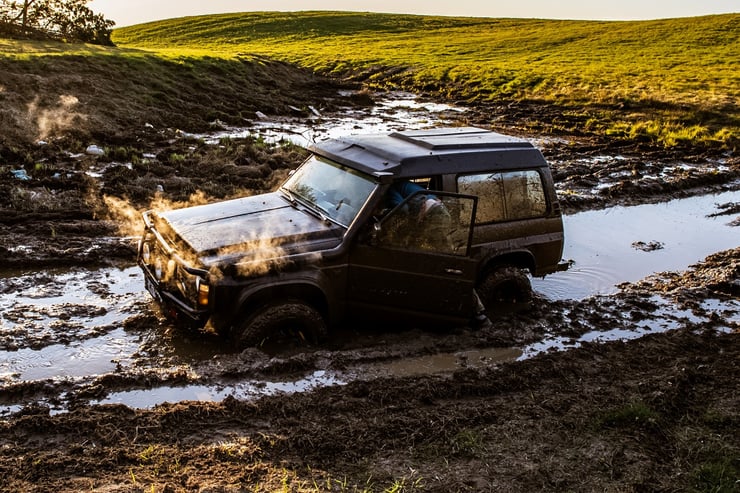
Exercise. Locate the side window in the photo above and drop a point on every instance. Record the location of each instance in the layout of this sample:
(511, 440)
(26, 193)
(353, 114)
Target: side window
(505, 196)
(524, 195)
(437, 223)
(489, 188)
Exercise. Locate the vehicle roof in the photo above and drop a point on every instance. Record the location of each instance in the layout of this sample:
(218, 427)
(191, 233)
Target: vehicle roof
(414, 153)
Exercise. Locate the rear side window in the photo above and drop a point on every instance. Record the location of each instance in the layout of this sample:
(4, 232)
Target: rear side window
(505, 196)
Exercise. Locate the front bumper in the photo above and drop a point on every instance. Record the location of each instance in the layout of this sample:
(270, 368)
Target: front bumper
(171, 281)
(174, 307)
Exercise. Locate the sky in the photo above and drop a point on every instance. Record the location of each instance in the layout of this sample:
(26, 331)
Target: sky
(128, 12)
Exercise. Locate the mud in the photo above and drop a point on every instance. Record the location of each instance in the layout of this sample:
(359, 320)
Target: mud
(631, 389)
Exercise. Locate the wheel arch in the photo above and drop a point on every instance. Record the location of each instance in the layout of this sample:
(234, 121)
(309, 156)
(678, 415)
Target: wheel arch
(522, 259)
(305, 291)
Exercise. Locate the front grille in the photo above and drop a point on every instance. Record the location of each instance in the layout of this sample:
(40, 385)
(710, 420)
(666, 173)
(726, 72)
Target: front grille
(167, 271)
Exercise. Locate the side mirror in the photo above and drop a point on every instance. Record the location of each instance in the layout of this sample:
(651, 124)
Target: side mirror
(370, 235)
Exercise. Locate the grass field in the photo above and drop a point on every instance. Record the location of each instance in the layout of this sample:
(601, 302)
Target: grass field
(668, 81)
(681, 77)
(689, 59)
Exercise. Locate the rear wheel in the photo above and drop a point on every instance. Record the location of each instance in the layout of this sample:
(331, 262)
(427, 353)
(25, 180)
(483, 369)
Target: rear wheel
(505, 286)
(282, 324)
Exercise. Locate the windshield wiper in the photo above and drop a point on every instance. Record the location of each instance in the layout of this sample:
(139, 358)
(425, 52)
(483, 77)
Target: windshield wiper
(310, 206)
(319, 212)
(289, 196)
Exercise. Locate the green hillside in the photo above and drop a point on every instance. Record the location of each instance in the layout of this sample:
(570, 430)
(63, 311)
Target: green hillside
(685, 59)
(681, 77)
(671, 81)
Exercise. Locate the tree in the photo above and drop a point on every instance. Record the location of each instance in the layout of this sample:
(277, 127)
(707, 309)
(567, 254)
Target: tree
(66, 20)
(13, 11)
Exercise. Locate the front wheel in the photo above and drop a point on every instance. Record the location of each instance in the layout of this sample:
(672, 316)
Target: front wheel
(506, 285)
(281, 324)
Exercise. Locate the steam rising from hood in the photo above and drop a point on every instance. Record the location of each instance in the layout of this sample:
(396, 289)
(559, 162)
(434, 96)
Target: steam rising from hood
(129, 219)
(261, 256)
(257, 253)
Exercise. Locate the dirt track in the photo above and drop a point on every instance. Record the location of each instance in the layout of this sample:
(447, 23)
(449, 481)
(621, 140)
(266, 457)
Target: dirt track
(658, 413)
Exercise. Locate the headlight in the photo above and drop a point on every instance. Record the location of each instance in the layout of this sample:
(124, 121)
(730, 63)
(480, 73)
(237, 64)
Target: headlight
(170, 273)
(146, 253)
(158, 269)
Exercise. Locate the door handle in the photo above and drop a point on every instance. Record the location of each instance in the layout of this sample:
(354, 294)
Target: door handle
(456, 272)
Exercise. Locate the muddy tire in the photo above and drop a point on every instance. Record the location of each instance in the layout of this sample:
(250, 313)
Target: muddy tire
(289, 323)
(505, 286)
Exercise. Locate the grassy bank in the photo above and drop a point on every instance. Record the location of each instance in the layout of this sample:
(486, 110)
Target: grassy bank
(111, 94)
(670, 81)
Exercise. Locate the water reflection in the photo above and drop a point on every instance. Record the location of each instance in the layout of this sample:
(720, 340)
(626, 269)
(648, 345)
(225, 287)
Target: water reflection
(601, 243)
(215, 393)
(392, 111)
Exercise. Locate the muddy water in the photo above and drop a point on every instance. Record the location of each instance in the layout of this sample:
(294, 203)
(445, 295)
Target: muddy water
(215, 393)
(663, 318)
(68, 323)
(74, 326)
(445, 362)
(422, 365)
(606, 245)
(393, 111)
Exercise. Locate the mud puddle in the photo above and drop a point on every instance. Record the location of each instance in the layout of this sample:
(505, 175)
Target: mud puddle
(392, 111)
(625, 244)
(57, 307)
(662, 317)
(149, 398)
(405, 367)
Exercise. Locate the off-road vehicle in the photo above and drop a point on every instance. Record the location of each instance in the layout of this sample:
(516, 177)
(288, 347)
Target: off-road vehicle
(338, 240)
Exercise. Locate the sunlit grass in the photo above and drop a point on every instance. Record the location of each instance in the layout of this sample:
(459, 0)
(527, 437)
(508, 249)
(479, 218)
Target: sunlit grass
(685, 69)
(690, 59)
(669, 81)
(25, 50)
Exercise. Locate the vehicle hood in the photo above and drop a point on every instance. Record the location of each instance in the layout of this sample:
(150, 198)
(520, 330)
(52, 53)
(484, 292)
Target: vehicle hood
(261, 226)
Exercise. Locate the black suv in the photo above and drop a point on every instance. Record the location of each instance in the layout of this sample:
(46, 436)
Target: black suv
(417, 225)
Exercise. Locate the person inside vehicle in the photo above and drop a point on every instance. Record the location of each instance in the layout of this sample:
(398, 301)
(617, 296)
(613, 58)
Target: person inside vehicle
(421, 205)
(417, 220)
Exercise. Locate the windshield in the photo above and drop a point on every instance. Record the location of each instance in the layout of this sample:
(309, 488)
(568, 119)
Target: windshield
(333, 190)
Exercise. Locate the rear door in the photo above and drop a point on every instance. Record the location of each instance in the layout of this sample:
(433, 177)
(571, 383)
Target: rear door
(417, 261)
